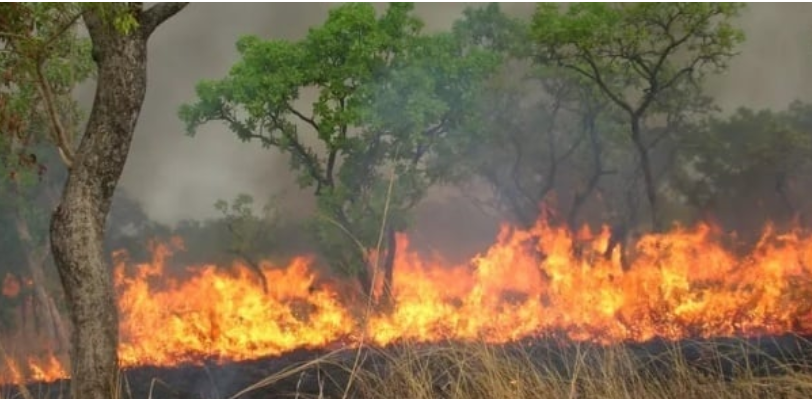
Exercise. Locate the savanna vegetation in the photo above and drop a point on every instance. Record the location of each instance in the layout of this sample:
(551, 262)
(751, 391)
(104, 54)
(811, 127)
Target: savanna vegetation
(596, 110)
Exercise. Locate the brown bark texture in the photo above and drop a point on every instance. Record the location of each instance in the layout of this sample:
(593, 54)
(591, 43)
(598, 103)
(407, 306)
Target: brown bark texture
(78, 222)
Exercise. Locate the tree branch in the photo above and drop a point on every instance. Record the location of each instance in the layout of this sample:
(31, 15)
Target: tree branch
(291, 145)
(515, 171)
(295, 147)
(654, 85)
(59, 134)
(429, 134)
(249, 260)
(554, 160)
(597, 78)
(157, 14)
(333, 149)
(59, 32)
(309, 121)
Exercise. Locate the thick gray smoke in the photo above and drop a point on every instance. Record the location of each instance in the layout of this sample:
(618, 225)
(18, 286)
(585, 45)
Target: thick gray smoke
(178, 177)
(773, 67)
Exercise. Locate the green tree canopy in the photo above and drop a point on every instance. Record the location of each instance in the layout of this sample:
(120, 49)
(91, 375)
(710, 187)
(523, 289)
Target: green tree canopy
(638, 55)
(390, 101)
(751, 160)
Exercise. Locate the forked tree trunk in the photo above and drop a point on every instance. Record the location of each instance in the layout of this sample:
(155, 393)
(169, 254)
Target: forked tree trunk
(77, 224)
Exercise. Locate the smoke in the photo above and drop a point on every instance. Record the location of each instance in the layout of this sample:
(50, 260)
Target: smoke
(772, 68)
(177, 177)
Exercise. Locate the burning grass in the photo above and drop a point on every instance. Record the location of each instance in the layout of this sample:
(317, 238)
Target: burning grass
(545, 284)
(540, 283)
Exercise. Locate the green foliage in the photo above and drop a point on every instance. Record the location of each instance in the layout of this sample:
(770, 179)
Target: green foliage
(120, 15)
(736, 155)
(489, 27)
(41, 51)
(388, 98)
(250, 233)
(650, 48)
(649, 59)
(43, 60)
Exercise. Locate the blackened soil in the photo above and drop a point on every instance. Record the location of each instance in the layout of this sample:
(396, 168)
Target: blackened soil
(721, 358)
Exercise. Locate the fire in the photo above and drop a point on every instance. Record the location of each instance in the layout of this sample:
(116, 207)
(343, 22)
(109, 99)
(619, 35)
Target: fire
(11, 286)
(223, 314)
(48, 369)
(52, 370)
(543, 281)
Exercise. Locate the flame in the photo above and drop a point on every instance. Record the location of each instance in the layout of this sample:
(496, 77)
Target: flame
(50, 371)
(11, 286)
(542, 281)
(46, 369)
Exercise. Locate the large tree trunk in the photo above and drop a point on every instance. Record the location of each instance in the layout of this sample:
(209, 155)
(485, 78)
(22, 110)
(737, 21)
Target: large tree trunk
(648, 179)
(77, 224)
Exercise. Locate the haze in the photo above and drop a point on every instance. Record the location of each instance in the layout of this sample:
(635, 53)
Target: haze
(177, 177)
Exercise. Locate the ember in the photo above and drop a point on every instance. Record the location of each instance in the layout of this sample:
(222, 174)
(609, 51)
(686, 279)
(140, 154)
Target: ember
(680, 284)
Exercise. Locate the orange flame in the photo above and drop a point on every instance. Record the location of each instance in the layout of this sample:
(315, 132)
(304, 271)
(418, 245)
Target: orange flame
(50, 371)
(544, 281)
(11, 286)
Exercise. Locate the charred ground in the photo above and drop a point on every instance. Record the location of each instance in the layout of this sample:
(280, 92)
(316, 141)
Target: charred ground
(319, 373)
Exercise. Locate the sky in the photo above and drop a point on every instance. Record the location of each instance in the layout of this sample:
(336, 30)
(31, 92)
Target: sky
(177, 177)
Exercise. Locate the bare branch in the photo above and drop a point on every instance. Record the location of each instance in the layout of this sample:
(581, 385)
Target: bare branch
(331, 158)
(157, 14)
(309, 121)
(249, 260)
(598, 78)
(59, 33)
(60, 136)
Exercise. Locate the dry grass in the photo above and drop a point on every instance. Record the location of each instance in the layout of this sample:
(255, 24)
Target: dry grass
(478, 371)
(481, 371)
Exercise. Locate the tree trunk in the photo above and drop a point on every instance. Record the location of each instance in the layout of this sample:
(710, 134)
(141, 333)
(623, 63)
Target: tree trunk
(389, 268)
(581, 196)
(364, 277)
(645, 166)
(78, 222)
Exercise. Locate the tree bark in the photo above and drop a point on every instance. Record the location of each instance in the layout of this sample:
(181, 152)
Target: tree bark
(645, 166)
(389, 269)
(78, 222)
(364, 277)
(581, 196)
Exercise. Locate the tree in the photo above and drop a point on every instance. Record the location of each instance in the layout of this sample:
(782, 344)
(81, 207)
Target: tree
(248, 230)
(118, 34)
(387, 99)
(548, 138)
(129, 227)
(747, 161)
(29, 171)
(636, 54)
(545, 130)
(27, 193)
